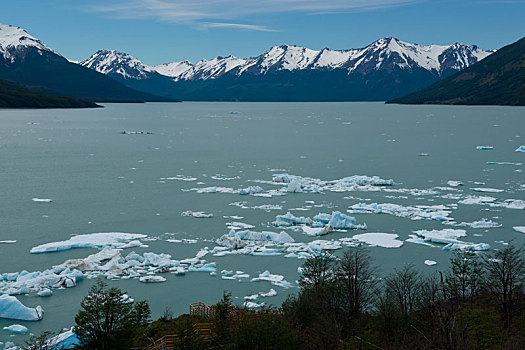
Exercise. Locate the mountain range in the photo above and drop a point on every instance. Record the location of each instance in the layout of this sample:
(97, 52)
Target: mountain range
(29, 62)
(383, 70)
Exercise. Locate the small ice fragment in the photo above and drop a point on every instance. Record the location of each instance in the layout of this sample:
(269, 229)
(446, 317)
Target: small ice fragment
(16, 328)
(152, 279)
(484, 148)
(486, 189)
(196, 214)
(42, 200)
(430, 262)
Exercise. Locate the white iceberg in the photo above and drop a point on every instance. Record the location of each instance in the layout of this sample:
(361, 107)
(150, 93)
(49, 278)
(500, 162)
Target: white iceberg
(453, 183)
(277, 280)
(519, 229)
(196, 214)
(430, 262)
(16, 328)
(270, 293)
(486, 189)
(444, 236)
(152, 279)
(41, 200)
(240, 239)
(11, 308)
(291, 220)
(480, 200)
(520, 149)
(385, 240)
(484, 148)
(91, 240)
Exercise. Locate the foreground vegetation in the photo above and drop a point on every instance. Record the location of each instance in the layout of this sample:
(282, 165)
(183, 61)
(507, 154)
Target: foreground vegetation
(479, 303)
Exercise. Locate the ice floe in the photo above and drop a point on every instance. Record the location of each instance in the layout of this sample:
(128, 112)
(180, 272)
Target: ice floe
(180, 178)
(379, 239)
(8, 242)
(196, 214)
(470, 200)
(453, 183)
(485, 148)
(520, 149)
(238, 226)
(485, 189)
(152, 279)
(449, 237)
(277, 280)
(419, 212)
(41, 200)
(12, 308)
(519, 229)
(93, 240)
(241, 239)
(430, 262)
(16, 328)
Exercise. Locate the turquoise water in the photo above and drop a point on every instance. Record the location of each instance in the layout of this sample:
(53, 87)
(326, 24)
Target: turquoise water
(103, 181)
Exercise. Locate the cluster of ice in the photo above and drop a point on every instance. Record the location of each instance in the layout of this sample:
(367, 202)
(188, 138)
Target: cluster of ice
(12, 308)
(385, 240)
(277, 280)
(241, 239)
(449, 237)
(16, 328)
(108, 262)
(419, 212)
(346, 184)
(321, 224)
(196, 214)
(244, 191)
(477, 200)
(93, 240)
(520, 149)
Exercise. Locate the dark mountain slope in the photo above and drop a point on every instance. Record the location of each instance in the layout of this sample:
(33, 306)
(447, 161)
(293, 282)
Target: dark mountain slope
(16, 97)
(498, 79)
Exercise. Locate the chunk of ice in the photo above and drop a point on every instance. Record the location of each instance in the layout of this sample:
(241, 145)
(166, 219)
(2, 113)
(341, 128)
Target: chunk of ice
(385, 240)
(16, 328)
(11, 308)
(90, 240)
(430, 262)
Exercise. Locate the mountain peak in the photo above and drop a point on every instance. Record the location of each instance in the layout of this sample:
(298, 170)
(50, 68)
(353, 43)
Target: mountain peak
(116, 62)
(14, 38)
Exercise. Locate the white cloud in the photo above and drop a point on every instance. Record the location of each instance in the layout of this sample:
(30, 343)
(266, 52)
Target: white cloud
(221, 13)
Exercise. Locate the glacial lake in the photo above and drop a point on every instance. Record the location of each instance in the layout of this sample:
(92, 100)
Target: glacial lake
(101, 180)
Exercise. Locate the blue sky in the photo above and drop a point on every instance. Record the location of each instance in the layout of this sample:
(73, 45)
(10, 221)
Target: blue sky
(159, 31)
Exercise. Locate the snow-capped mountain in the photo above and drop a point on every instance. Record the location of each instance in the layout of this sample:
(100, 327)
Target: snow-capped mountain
(385, 69)
(29, 62)
(111, 61)
(383, 54)
(14, 41)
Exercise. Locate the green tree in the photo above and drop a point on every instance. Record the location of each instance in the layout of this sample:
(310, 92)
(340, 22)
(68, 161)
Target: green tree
(465, 278)
(106, 321)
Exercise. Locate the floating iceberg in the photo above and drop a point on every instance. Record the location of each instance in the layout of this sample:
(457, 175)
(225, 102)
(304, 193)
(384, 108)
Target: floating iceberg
(180, 178)
(420, 212)
(510, 204)
(520, 149)
(486, 189)
(485, 148)
(65, 340)
(42, 200)
(444, 236)
(271, 293)
(152, 279)
(291, 220)
(196, 214)
(239, 226)
(325, 221)
(277, 280)
(385, 240)
(477, 200)
(317, 231)
(295, 186)
(483, 223)
(11, 308)
(430, 262)
(16, 328)
(453, 183)
(92, 240)
(519, 229)
(8, 242)
(467, 246)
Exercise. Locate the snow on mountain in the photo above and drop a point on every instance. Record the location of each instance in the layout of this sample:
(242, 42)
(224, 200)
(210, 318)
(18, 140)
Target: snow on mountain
(383, 54)
(14, 39)
(111, 61)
